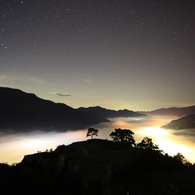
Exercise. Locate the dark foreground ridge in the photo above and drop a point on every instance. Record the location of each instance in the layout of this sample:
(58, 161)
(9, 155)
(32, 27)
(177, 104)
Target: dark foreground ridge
(20, 111)
(98, 167)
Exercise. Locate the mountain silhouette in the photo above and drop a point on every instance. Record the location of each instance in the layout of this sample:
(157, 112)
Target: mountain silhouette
(25, 112)
(107, 113)
(187, 122)
(173, 111)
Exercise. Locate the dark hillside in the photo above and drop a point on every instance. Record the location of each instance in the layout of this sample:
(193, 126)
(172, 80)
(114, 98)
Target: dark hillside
(187, 122)
(22, 111)
(98, 167)
(180, 112)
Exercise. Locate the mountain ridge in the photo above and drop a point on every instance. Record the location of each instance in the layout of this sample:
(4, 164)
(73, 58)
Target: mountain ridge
(186, 122)
(172, 111)
(21, 111)
(109, 113)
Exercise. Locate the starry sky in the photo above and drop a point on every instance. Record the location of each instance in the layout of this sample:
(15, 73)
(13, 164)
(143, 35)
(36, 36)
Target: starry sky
(117, 54)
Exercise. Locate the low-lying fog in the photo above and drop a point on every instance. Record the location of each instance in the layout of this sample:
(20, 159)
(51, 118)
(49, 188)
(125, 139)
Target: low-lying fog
(13, 147)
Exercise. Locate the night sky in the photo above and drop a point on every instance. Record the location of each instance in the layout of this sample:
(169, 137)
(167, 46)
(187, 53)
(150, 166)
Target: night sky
(134, 54)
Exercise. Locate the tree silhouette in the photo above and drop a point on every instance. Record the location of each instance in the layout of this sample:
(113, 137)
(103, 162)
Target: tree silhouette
(91, 132)
(147, 143)
(181, 158)
(123, 136)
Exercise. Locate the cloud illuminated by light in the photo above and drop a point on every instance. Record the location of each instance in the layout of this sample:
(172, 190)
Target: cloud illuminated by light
(155, 132)
(173, 147)
(15, 78)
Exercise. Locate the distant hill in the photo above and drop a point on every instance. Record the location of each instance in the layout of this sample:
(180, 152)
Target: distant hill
(98, 167)
(187, 122)
(107, 113)
(20, 111)
(173, 111)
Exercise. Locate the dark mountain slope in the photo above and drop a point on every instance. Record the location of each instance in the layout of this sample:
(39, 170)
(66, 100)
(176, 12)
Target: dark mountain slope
(187, 122)
(184, 111)
(107, 113)
(98, 167)
(23, 111)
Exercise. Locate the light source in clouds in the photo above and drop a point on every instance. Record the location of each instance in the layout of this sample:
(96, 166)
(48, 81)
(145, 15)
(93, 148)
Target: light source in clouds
(155, 132)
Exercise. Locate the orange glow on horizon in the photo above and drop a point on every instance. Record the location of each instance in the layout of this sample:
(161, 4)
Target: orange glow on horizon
(14, 147)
